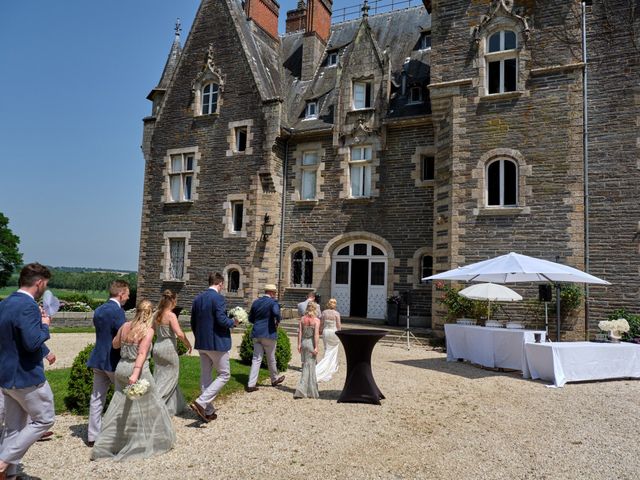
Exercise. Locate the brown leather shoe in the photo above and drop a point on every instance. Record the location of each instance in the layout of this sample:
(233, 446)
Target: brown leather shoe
(277, 381)
(212, 417)
(250, 389)
(46, 436)
(199, 411)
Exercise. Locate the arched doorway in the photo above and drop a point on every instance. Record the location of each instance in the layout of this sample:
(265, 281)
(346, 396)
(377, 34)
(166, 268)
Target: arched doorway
(359, 279)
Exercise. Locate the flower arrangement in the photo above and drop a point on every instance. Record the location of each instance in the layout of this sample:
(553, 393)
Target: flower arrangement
(239, 314)
(136, 390)
(394, 299)
(616, 327)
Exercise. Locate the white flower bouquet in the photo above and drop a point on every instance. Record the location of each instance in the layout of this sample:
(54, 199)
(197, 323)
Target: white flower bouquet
(136, 390)
(239, 314)
(618, 325)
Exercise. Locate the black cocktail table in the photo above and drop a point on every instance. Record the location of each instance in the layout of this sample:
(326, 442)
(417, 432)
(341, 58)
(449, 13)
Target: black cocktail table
(359, 386)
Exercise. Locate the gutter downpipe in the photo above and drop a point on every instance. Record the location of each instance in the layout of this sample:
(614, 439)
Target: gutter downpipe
(285, 167)
(585, 149)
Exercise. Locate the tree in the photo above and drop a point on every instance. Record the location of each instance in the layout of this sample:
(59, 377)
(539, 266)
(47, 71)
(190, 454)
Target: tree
(10, 256)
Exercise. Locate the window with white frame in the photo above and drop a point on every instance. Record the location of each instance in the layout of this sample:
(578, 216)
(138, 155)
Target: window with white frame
(310, 161)
(361, 95)
(332, 58)
(233, 281)
(427, 167)
(424, 43)
(426, 267)
(181, 173)
(209, 99)
(502, 183)
(311, 111)
(237, 214)
(241, 139)
(360, 171)
(177, 248)
(302, 268)
(501, 59)
(415, 95)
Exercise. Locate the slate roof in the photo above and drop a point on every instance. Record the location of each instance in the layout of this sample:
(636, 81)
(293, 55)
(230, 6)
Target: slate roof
(395, 32)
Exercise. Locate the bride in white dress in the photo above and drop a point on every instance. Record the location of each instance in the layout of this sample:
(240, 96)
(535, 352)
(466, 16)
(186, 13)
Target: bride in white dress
(329, 325)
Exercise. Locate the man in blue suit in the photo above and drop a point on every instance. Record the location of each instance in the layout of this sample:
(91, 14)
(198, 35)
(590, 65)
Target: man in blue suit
(210, 326)
(265, 317)
(108, 318)
(28, 397)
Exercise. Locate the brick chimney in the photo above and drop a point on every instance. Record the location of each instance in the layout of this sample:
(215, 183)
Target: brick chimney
(264, 13)
(297, 19)
(319, 18)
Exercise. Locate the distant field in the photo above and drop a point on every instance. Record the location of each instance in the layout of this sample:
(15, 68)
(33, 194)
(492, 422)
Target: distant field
(96, 294)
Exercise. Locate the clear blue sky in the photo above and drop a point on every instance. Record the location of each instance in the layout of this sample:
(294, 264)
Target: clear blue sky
(74, 75)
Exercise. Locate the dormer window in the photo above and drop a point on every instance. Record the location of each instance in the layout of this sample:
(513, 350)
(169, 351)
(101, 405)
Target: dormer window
(361, 95)
(311, 110)
(424, 43)
(209, 99)
(502, 62)
(332, 59)
(415, 95)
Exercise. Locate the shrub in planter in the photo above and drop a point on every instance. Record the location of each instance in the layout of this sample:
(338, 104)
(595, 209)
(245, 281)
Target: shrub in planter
(283, 349)
(80, 384)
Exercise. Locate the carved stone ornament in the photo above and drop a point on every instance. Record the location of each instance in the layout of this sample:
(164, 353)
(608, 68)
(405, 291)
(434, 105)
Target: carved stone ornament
(500, 8)
(361, 131)
(209, 72)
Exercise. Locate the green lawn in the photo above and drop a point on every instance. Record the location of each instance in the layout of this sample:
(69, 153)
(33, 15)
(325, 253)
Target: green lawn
(189, 380)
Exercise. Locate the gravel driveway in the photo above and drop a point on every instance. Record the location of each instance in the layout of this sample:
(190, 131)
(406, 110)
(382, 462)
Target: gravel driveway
(440, 420)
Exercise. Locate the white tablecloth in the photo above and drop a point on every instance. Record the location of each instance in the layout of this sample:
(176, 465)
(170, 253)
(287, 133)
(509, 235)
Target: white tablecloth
(488, 346)
(579, 361)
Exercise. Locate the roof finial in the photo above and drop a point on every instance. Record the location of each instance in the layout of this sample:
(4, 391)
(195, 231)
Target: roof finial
(365, 9)
(178, 28)
(301, 4)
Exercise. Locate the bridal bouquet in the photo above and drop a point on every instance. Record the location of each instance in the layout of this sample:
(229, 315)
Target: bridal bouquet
(239, 313)
(136, 390)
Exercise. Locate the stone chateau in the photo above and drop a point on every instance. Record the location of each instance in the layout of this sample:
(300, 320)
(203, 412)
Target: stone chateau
(356, 157)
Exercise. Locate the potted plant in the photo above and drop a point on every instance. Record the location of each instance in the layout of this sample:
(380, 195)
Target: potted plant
(393, 310)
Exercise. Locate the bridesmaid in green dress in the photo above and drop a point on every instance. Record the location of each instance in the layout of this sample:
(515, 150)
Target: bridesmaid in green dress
(308, 337)
(165, 353)
(141, 427)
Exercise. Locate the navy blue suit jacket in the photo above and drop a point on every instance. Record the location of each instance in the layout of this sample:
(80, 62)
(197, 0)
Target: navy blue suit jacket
(108, 318)
(265, 316)
(22, 347)
(210, 323)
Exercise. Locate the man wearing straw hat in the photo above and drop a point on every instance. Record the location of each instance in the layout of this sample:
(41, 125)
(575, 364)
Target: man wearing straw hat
(265, 317)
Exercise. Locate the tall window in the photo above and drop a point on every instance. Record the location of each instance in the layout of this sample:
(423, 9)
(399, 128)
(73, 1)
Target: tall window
(427, 170)
(209, 99)
(502, 60)
(312, 110)
(302, 268)
(176, 258)
(309, 175)
(181, 177)
(237, 213)
(361, 95)
(241, 139)
(360, 171)
(233, 281)
(502, 183)
(426, 267)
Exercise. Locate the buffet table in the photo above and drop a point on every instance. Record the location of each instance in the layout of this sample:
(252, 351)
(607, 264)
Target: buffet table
(489, 346)
(564, 362)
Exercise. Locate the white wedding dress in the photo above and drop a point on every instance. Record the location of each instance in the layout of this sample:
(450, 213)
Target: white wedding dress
(328, 366)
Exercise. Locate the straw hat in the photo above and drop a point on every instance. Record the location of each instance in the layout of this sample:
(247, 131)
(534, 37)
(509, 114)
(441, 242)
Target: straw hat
(270, 287)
